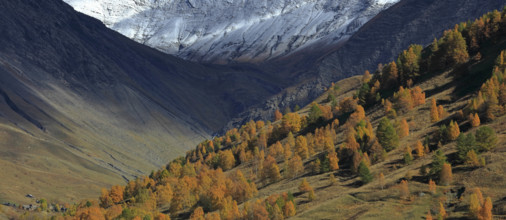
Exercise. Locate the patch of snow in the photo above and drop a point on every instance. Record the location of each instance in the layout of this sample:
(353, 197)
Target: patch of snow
(227, 30)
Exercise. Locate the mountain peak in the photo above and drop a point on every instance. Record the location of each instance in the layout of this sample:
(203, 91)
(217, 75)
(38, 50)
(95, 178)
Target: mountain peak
(226, 30)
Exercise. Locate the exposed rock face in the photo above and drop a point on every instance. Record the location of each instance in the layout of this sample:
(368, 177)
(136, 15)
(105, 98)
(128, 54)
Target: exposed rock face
(232, 30)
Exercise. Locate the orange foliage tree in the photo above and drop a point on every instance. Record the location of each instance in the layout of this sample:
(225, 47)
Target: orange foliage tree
(453, 130)
(434, 114)
(404, 189)
(474, 120)
(403, 128)
(295, 166)
(446, 174)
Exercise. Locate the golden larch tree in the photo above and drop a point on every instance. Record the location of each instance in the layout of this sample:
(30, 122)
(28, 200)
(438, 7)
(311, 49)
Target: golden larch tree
(453, 130)
(333, 161)
(381, 180)
(446, 174)
(428, 216)
(474, 206)
(198, 214)
(442, 211)
(278, 115)
(434, 114)
(486, 210)
(432, 187)
(289, 209)
(403, 129)
(404, 189)
(474, 120)
(304, 186)
(419, 149)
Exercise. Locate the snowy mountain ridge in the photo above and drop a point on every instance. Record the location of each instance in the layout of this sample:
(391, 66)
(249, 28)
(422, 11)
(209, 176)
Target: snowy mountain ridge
(232, 30)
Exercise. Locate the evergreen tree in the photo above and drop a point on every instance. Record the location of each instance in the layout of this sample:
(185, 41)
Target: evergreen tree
(465, 143)
(364, 173)
(386, 134)
(439, 159)
(486, 138)
(315, 113)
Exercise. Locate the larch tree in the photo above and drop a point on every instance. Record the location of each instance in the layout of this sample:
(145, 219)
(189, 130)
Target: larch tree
(453, 130)
(333, 161)
(419, 149)
(472, 159)
(198, 214)
(486, 210)
(404, 189)
(301, 147)
(408, 157)
(474, 206)
(432, 187)
(295, 166)
(442, 211)
(227, 159)
(271, 169)
(311, 196)
(289, 209)
(304, 186)
(403, 130)
(446, 174)
(278, 115)
(474, 120)
(428, 216)
(381, 179)
(434, 113)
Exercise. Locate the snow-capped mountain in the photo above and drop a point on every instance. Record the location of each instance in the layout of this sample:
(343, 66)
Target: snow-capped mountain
(238, 30)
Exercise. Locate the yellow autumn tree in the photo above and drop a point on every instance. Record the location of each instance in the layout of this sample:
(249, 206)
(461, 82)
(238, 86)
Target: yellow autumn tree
(333, 161)
(404, 189)
(289, 209)
(227, 159)
(419, 149)
(278, 115)
(442, 211)
(304, 186)
(301, 147)
(453, 130)
(198, 214)
(474, 120)
(486, 210)
(381, 180)
(434, 114)
(403, 130)
(432, 187)
(446, 174)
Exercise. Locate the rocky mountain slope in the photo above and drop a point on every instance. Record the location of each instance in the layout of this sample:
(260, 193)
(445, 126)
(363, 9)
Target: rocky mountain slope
(80, 102)
(378, 41)
(224, 30)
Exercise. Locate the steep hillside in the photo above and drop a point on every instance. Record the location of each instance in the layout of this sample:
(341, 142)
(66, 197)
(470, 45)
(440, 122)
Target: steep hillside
(80, 102)
(224, 31)
(424, 137)
(378, 41)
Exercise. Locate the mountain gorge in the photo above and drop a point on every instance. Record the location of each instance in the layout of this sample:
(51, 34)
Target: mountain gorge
(80, 101)
(225, 31)
(83, 107)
